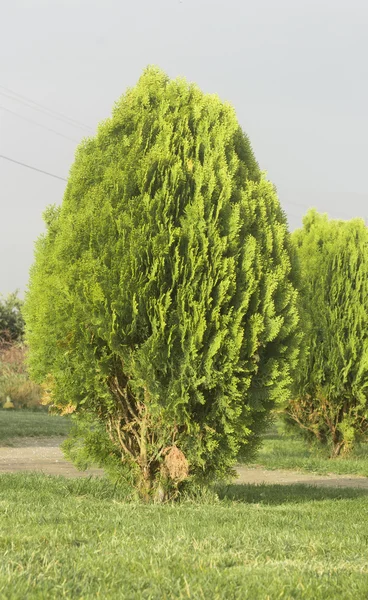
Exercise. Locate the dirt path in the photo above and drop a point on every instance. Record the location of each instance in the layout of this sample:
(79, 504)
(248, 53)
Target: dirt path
(39, 454)
(286, 477)
(44, 455)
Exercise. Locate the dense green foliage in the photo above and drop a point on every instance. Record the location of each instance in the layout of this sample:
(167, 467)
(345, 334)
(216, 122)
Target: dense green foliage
(11, 319)
(81, 539)
(161, 302)
(331, 401)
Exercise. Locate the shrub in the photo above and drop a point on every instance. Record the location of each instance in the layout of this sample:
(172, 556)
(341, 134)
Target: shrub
(331, 388)
(161, 301)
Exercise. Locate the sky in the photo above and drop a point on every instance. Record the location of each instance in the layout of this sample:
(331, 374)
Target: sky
(296, 72)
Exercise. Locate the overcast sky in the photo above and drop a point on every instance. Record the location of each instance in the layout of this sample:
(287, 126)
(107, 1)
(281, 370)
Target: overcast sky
(295, 70)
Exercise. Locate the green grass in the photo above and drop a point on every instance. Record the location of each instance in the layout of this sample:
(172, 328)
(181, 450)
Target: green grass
(280, 451)
(82, 539)
(27, 423)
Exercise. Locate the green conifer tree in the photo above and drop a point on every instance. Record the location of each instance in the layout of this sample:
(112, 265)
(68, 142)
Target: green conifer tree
(331, 387)
(161, 308)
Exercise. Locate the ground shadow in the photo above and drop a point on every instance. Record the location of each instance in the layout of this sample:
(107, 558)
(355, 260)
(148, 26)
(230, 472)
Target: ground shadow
(285, 494)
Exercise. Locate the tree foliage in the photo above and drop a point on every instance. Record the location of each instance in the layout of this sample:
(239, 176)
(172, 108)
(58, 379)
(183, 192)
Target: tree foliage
(161, 304)
(331, 400)
(11, 319)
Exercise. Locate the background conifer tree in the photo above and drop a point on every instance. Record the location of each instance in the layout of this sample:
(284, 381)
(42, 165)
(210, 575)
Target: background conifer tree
(11, 319)
(161, 308)
(331, 399)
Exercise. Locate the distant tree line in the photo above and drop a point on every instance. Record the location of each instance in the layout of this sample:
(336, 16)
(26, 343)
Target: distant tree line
(11, 318)
(16, 388)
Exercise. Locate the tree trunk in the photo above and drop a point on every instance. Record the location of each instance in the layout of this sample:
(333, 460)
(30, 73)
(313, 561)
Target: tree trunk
(337, 447)
(145, 484)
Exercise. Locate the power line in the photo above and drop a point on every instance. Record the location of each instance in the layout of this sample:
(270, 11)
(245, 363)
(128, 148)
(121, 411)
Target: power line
(331, 214)
(289, 214)
(308, 206)
(17, 162)
(38, 124)
(41, 108)
(24, 99)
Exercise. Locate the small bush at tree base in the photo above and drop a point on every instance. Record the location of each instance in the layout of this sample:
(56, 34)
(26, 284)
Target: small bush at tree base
(331, 388)
(161, 301)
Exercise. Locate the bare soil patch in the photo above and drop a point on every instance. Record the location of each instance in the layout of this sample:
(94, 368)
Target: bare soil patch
(39, 454)
(285, 477)
(45, 455)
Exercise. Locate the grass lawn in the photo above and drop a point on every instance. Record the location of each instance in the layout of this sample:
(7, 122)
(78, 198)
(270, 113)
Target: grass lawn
(82, 539)
(27, 423)
(280, 451)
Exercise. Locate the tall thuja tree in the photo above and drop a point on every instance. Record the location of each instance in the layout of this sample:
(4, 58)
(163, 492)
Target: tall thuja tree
(331, 391)
(161, 308)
